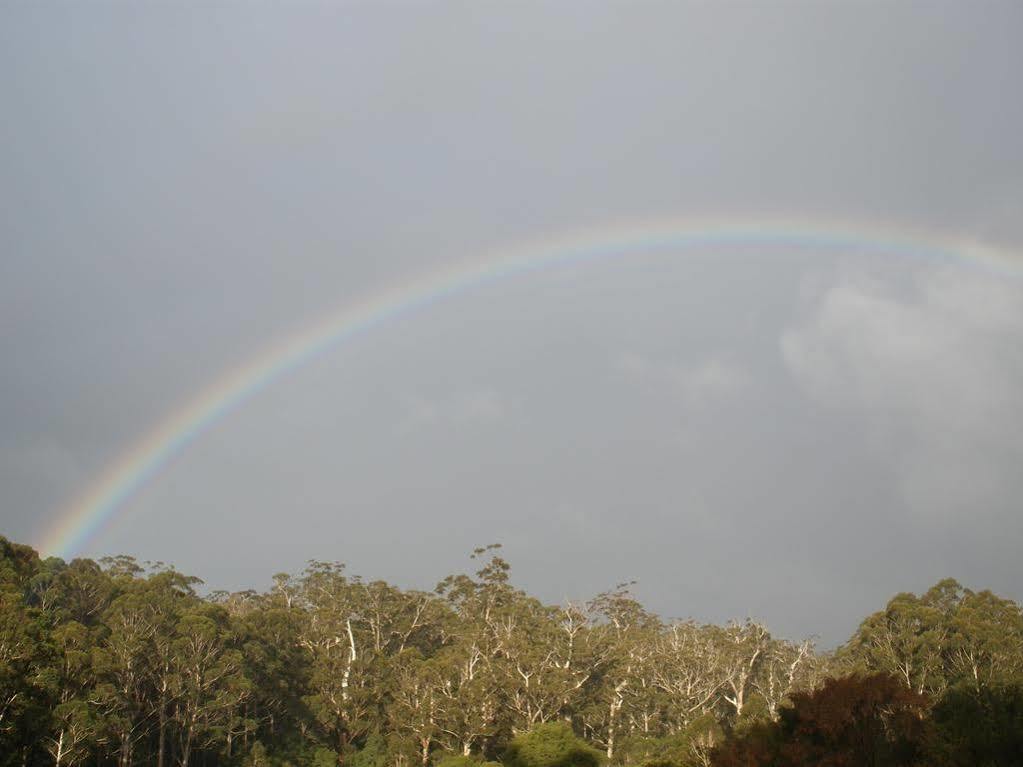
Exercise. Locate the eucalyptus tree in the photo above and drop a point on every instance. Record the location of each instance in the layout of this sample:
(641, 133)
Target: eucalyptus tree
(276, 663)
(122, 660)
(86, 590)
(168, 595)
(337, 646)
(23, 703)
(739, 654)
(396, 619)
(469, 692)
(984, 641)
(395, 623)
(547, 662)
(685, 670)
(476, 641)
(786, 667)
(207, 682)
(45, 589)
(417, 696)
(67, 677)
(912, 638)
(625, 634)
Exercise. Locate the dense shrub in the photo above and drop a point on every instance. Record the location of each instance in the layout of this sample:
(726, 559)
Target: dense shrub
(550, 745)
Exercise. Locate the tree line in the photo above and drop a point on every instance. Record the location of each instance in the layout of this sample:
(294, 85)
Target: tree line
(111, 663)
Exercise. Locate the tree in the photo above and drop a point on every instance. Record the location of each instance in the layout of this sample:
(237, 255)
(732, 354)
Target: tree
(475, 648)
(126, 664)
(418, 689)
(167, 595)
(948, 636)
(550, 745)
(978, 728)
(984, 641)
(684, 670)
(854, 721)
(277, 665)
(67, 678)
(122, 662)
(336, 693)
(740, 651)
(626, 637)
(207, 683)
(22, 702)
(786, 668)
(906, 640)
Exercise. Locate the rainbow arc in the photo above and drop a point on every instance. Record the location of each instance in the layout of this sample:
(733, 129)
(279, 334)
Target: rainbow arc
(105, 498)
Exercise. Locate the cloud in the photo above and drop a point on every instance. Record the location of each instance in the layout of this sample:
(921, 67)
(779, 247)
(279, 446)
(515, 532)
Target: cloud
(713, 380)
(472, 406)
(481, 405)
(934, 367)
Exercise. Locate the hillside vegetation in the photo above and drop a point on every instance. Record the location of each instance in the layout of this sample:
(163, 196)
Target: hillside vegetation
(110, 663)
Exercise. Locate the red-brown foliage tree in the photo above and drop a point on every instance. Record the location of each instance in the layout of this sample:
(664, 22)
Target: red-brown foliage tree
(855, 721)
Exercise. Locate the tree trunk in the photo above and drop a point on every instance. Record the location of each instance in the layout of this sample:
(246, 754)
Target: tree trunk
(351, 660)
(161, 748)
(612, 718)
(187, 748)
(125, 758)
(60, 750)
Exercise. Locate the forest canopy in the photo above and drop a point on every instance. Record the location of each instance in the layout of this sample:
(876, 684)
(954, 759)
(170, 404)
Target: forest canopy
(111, 662)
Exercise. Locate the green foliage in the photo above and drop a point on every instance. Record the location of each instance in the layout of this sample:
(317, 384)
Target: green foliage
(257, 756)
(550, 745)
(373, 754)
(323, 757)
(978, 728)
(289, 751)
(686, 748)
(458, 760)
(668, 751)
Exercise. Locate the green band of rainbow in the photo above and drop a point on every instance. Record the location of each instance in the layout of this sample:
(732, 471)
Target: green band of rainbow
(100, 502)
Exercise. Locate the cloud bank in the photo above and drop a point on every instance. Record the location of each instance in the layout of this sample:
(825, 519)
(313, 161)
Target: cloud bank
(934, 366)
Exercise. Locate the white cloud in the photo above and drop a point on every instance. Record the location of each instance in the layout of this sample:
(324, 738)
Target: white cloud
(936, 369)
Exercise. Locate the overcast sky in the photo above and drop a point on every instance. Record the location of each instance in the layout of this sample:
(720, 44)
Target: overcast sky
(793, 433)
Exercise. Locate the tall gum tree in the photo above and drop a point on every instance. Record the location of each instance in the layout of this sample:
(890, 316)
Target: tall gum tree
(625, 632)
(207, 682)
(329, 636)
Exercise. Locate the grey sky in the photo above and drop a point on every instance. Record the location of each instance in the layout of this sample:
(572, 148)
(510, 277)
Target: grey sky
(791, 433)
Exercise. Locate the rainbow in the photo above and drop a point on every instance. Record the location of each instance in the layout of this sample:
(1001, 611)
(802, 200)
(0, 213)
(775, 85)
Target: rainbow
(82, 519)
